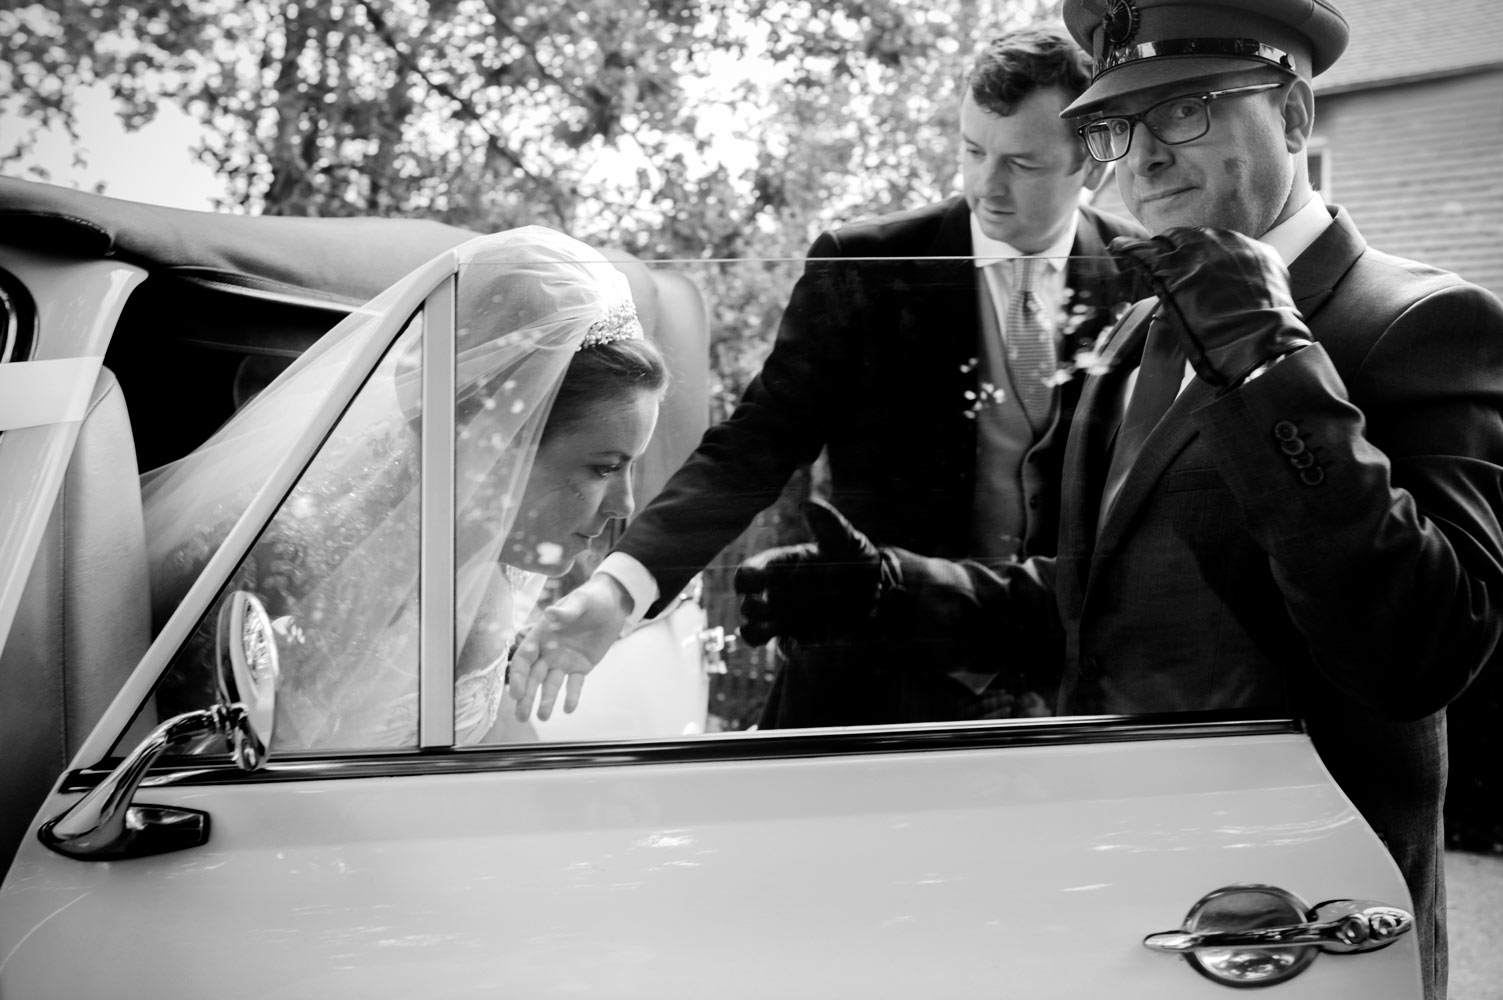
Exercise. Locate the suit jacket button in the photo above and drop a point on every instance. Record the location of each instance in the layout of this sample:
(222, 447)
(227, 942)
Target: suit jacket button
(1033, 503)
(1285, 430)
(1089, 668)
(1292, 446)
(1313, 476)
(1302, 461)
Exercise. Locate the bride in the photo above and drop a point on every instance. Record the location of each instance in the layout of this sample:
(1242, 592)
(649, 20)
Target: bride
(557, 394)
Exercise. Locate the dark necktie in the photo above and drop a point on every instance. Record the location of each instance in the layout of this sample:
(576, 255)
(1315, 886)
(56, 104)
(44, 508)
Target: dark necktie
(1159, 376)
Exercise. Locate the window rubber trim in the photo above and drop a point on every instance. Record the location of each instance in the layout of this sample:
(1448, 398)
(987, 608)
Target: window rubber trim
(720, 748)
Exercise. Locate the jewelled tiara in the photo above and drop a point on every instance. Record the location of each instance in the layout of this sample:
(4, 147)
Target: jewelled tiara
(619, 323)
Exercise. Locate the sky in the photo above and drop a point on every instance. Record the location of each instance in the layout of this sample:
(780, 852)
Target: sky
(152, 165)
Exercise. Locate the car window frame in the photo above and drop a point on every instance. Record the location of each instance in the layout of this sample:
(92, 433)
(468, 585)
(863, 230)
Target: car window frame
(434, 277)
(431, 299)
(436, 563)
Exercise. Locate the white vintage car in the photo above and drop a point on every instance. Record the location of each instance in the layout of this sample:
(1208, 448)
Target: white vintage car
(625, 852)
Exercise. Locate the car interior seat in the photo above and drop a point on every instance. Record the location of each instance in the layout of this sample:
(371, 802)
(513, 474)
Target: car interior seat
(84, 619)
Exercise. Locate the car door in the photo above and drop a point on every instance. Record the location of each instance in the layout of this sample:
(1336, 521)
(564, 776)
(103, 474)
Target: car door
(1022, 857)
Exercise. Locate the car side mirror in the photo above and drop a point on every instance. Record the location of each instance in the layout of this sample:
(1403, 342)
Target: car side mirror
(106, 826)
(246, 673)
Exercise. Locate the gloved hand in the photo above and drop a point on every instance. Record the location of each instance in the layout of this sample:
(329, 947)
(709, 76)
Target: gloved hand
(1225, 295)
(817, 590)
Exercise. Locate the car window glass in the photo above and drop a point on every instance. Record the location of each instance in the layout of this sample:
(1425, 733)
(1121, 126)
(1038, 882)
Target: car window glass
(337, 571)
(897, 454)
(898, 435)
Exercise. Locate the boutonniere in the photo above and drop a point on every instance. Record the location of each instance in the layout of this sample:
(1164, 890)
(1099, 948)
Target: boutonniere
(985, 393)
(1081, 354)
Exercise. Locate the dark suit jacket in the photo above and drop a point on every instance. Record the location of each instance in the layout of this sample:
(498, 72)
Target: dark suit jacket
(870, 362)
(1324, 540)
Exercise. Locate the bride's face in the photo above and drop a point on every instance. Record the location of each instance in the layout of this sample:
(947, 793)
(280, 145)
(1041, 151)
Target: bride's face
(580, 480)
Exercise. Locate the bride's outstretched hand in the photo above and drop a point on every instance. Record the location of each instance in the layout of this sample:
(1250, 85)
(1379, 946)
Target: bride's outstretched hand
(572, 636)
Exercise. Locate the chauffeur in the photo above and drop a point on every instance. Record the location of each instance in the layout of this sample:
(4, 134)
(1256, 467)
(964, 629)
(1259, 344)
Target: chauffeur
(1285, 493)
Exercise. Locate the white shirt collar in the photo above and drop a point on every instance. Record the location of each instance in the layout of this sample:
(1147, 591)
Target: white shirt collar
(987, 250)
(1294, 235)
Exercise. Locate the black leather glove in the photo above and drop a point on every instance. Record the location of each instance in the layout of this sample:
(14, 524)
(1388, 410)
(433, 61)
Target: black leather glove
(818, 590)
(1225, 295)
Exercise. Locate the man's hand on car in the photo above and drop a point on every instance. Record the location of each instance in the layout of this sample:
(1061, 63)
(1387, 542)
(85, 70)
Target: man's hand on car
(815, 590)
(566, 644)
(1226, 296)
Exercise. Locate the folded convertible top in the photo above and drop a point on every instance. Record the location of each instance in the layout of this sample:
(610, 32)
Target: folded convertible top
(339, 262)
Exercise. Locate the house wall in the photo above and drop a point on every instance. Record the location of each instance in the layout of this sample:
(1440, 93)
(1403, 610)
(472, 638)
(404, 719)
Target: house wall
(1419, 166)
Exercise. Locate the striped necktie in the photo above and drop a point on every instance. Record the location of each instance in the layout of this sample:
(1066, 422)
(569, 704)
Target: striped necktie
(1030, 343)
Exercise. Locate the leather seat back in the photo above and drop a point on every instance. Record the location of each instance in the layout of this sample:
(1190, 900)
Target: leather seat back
(84, 620)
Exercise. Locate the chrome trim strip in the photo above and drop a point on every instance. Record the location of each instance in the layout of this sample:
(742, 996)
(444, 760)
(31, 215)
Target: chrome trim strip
(436, 547)
(1237, 48)
(772, 745)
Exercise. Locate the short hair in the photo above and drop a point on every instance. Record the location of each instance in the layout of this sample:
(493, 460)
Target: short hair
(1019, 62)
(604, 373)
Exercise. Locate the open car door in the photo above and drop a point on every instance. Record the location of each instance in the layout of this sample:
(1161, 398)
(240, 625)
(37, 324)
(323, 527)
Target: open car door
(1163, 857)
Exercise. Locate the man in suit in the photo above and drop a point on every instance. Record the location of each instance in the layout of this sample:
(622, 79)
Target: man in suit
(1285, 492)
(932, 393)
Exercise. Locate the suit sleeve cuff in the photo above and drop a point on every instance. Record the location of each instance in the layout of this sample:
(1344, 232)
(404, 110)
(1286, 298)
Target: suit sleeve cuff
(637, 580)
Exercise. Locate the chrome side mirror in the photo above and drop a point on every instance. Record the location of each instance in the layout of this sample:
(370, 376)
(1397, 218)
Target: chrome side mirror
(105, 826)
(247, 675)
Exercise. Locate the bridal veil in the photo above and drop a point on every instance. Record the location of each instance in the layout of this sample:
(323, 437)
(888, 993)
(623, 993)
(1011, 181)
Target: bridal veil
(338, 566)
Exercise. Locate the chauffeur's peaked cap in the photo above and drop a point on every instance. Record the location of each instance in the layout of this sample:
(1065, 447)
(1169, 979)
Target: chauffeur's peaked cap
(1139, 44)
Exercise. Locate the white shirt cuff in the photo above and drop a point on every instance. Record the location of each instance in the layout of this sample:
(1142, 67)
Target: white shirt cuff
(637, 580)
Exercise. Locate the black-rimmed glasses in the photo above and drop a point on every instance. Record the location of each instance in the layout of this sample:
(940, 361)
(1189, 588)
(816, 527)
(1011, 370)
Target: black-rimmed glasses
(1175, 121)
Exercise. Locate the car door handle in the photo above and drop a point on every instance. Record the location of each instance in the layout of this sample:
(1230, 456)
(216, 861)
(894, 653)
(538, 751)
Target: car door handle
(1360, 926)
(1250, 935)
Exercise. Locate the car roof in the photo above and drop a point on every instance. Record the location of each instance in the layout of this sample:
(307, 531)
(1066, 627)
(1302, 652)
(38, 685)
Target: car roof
(313, 261)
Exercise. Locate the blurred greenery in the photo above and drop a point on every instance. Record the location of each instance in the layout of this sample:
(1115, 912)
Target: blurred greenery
(725, 131)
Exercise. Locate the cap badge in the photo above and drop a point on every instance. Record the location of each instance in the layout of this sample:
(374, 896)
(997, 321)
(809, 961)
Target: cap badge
(1120, 22)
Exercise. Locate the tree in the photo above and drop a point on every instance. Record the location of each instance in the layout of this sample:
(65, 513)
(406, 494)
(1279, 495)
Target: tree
(606, 119)
(724, 131)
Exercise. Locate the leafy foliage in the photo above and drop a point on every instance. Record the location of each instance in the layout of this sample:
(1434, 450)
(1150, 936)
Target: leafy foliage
(722, 129)
(727, 131)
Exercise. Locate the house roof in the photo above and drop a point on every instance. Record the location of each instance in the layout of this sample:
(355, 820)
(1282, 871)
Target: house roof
(1397, 40)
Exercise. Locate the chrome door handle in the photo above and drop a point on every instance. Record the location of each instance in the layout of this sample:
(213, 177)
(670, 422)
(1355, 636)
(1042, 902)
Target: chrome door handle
(1258, 935)
(1342, 925)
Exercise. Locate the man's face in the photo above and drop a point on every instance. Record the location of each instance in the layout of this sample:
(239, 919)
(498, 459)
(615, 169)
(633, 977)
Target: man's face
(1238, 176)
(1022, 173)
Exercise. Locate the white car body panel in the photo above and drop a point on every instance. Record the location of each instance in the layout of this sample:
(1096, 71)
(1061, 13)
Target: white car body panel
(1015, 871)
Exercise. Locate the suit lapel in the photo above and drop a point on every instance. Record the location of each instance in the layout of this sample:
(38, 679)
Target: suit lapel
(1094, 425)
(944, 325)
(1173, 435)
(954, 306)
(1094, 284)
(1315, 273)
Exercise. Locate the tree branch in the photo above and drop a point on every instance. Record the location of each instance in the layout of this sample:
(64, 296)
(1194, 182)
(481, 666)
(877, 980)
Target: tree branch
(466, 108)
